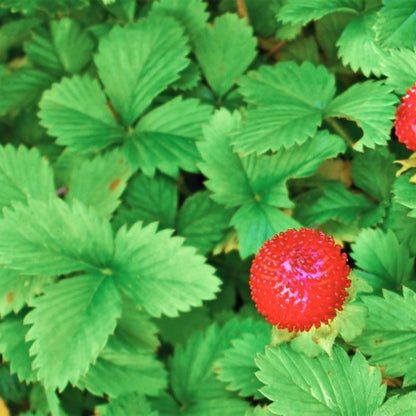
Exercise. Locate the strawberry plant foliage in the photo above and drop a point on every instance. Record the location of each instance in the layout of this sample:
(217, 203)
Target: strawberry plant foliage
(149, 150)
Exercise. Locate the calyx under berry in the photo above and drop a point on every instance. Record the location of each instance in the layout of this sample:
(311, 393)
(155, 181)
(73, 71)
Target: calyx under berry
(299, 279)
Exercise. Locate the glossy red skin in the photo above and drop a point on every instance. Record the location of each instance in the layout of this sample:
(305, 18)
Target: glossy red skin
(298, 279)
(405, 122)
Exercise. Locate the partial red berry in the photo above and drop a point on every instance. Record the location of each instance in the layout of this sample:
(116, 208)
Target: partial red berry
(298, 279)
(405, 122)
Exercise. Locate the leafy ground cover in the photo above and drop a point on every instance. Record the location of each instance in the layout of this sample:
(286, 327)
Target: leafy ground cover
(148, 150)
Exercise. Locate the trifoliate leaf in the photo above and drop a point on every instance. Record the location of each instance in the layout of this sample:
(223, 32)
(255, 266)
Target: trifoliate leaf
(236, 180)
(71, 323)
(24, 174)
(128, 363)
(303, 11)
(67, 49)
(165, 137)
(379, 162)
(396, 26)
(389, 335)
(99, 182)
(398, 405)
(129, 404)
(358, 48)
(15, 349)
(149, 200)
(18, 290)
(192, 367)
(256, 222)
(49, 238)
(22, 88)
(298, 384)
(192, 14)
(236, 367)
(398, 66)
(75, 112)
(385, 262)
(334, 201)
(138, 62)
(224, 51)
(202, 222)
(173, 280)
(288, 102)
(405, 193)
(372, 106)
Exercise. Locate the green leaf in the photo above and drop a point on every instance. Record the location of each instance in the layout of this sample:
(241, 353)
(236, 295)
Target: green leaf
(398, 67)
(192, 14)
(128, 363)
(298, 384)
(71, 323)
(398, 405)
(303, 11)
(258, 411)
(17, 290)
(358, 48)
(129, 404)
(372, 106)
(396, 25)
(202, 222)
(75, 112)
(224, 51)
(402, 225)
(174, 280)
(22, 88)
(177, 330)
(24, 174)
(385, 261)
(149, 200)
(165, 137)
(193, 366)
(137, 62)
(15, 349)
(287, 101)
(257, 222)
(73, 46)
(389, 335)
(99, 182)
(223, 168)
(334, 201)
(66, 49)
(379, 162)
(236, 367)
(236, 180)
(405, 193)
(14, 32)
(50, 238)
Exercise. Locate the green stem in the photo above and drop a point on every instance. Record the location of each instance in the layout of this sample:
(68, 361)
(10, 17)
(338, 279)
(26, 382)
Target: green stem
(340, 130)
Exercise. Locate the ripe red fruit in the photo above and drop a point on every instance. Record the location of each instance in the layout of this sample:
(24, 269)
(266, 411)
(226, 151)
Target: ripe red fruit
(298, 279)
(405, 122)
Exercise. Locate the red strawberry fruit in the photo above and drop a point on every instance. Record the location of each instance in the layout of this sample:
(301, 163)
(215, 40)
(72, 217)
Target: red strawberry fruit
(405, 122)
(298, 279)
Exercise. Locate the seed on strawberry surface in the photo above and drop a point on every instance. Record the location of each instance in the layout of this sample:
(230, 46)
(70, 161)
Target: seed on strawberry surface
(299, 278)
(405, 121)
